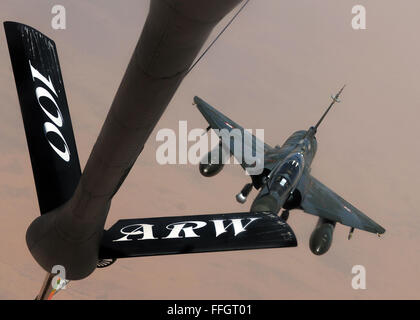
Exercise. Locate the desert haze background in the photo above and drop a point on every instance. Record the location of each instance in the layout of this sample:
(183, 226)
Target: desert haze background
(275, 69)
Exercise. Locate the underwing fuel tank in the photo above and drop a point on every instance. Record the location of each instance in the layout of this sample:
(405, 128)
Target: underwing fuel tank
(321, 238)
(213, 162)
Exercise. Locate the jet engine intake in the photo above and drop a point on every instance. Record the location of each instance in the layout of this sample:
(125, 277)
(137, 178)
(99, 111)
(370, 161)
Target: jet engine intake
(294, 200)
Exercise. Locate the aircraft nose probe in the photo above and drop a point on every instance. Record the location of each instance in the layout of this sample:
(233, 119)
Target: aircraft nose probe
(335, 99)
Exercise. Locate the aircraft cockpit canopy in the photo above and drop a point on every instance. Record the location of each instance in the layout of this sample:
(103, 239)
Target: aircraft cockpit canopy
(289, 172)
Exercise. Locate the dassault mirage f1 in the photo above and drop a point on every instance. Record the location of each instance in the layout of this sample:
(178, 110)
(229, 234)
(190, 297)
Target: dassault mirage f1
(285, 181)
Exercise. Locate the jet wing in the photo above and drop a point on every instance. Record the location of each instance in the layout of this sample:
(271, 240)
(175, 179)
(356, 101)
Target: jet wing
(251, 145)
(321, 201)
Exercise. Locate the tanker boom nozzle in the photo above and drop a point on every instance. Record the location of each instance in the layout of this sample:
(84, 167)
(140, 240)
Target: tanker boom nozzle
(243, 195)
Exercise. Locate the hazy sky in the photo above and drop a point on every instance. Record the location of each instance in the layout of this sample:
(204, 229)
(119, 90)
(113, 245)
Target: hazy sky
(275, 69)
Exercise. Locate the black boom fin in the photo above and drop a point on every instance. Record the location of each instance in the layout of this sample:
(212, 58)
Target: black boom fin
(195, 234)
(45, 113)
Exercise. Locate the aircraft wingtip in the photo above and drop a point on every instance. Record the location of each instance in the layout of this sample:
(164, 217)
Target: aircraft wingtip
(380, 231)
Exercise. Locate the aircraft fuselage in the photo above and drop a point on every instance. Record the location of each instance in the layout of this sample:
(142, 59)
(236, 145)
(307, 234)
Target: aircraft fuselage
(281, 182)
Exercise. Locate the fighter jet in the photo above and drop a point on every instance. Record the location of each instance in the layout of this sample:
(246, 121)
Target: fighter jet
(285, 181)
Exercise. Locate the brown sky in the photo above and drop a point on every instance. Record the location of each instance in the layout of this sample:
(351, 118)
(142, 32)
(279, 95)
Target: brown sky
(274, 69)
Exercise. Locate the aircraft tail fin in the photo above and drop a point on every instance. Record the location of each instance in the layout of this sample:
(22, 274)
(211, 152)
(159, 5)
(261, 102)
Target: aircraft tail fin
(45, 113)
